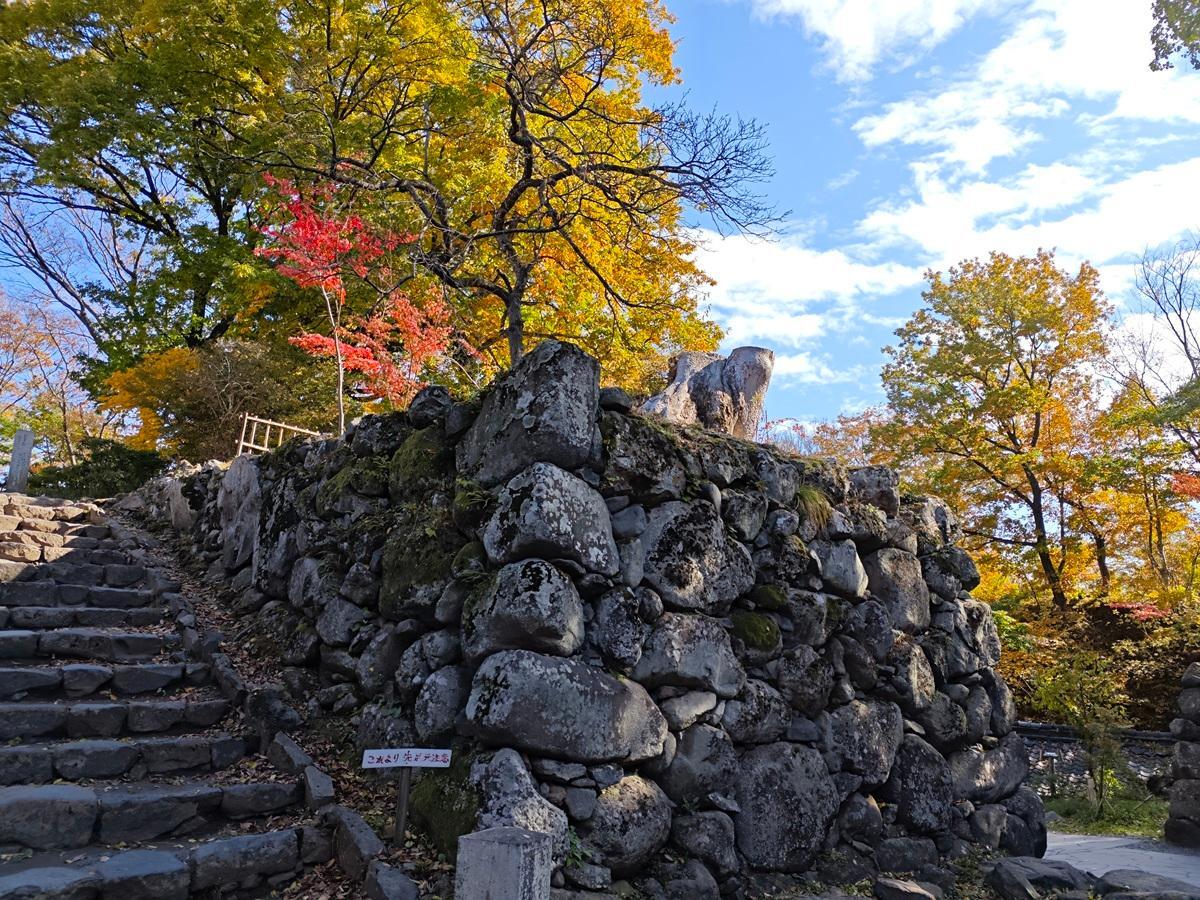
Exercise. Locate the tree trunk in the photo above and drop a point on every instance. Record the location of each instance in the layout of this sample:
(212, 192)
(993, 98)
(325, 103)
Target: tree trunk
(1053, 578)
(516, 329)
(1100, 542)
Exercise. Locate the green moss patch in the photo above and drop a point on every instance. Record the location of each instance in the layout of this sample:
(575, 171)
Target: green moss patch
(768, 596)
(755, 630)
(423, 461)
(446, 804)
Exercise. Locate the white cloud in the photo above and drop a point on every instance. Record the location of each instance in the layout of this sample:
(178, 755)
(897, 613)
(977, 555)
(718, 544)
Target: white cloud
(856, 35)
(809, 368)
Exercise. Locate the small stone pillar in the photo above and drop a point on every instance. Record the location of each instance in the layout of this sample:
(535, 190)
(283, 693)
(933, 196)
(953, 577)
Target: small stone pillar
(504, 863)
(18, 466)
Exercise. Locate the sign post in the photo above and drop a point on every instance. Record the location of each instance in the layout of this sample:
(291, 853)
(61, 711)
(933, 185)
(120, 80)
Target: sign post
(405, 759)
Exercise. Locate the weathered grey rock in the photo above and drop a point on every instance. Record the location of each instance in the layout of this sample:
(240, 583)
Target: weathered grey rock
(145, 678)
(944, 721)
(708, 836)
(685, 710)
(19, 680)
(318, 788)
(379, 661)
(690, 560)
(744, 513)
(509, 797)
(905, 854)
(25, 765)
(913, 682)
(229, 860)
(1135, 881)
(617, 631)
(926, 787)
(934, 523)
(144, 875)
(640, 461)
(1026, 878)
(896, 581)
(860, 819)
(805, 678)
(985, 776)
(174, 754)
(239, 501)
(866, 737)
(46, 817)
(758, 715)
(563, 708)
(57, 882)
(547, 512)
(964, 639)
(878, 486)
(386, 882)
(705, 763)
(543, 410)
(721, 393)
(81, 679)
(841, 569)
(355, 843)
(631, 823)
(439, 702)
(902, 889)
(339, 620)
(530, 605)
(690, 651)
(787, 801)
(144, 812)
(870, 625)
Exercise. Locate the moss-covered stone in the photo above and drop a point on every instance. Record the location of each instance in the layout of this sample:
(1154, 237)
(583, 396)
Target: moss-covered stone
(472, 503)
(768, 596)
(755, 630)
(446, 804)
(423, 461)
(417, 560)
(470, 562)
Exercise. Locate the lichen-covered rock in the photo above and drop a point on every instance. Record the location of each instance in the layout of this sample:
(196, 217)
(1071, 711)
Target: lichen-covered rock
(641, 459)
(721, 393)
(239, 501)
(758, 715)
(439, 702)
(542, 410)
(866, 737)
(944, 721)
(877, 485)
(925, 788)
(896, 581)
(708, 836)
(509, 797)
(870, 625)
(617, 631)
(546, 512)
(841, 569)
(804, 678)
(963, 638)
(690, 651)
(913, 681)
(934, 523)
(529, 605)
(690, 560)
(630, 824)
(743, 513)
(705, 763)
(339, 620)
(787, 801)
(985, 776)
(563, 709)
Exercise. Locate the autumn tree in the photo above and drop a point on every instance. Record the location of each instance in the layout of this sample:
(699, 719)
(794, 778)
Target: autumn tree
(987, 383)
(1176, 31)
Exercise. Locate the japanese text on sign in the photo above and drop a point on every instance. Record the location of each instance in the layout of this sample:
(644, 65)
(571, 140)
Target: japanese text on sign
(411, 757)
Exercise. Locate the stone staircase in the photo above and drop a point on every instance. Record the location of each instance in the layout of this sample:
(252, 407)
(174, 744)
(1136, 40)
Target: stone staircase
(125, 771)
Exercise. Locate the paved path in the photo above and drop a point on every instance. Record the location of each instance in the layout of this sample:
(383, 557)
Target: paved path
(1099, 855)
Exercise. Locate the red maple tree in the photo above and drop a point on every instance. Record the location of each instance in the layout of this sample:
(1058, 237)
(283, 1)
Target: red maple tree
(318, 244)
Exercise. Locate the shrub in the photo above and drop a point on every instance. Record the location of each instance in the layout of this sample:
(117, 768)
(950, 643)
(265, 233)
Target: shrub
(109, 468)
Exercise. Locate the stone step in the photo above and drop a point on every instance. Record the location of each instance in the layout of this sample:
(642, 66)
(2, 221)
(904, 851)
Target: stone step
(121, 575)
(26, 719)
(82, 679)
(49, 593)
(212, 868)
(105, 759)
(64, 816)
(28, 551)
(55, 527)
(36, 617)
(85, 643)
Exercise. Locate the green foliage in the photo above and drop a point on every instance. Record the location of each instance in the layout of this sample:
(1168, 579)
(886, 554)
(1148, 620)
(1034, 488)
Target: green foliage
(1176, 31)
(1083, 692)
(109, 468)
(1126, 814)
(814, 505)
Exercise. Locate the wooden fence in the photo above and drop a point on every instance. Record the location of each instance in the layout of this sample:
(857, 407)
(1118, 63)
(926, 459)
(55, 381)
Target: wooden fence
(262, 435)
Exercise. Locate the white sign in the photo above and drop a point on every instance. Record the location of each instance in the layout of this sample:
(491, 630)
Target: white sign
(408, 757)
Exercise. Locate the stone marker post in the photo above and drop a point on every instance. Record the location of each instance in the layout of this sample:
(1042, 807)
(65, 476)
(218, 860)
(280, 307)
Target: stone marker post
(504, 864)
(18, 466)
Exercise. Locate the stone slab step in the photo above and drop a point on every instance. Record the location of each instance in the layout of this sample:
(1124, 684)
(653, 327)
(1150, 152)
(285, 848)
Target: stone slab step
(27, 720)
(57, 527)
(85, 643)
(50, 593)
(28, 552)
(82, 679)
(61, 816)
(68, 571)
(214, 867)
(101, 759)
(37, 617)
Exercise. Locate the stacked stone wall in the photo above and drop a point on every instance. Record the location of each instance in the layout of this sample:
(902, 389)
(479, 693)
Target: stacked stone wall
(1183, 821)
(636, 636)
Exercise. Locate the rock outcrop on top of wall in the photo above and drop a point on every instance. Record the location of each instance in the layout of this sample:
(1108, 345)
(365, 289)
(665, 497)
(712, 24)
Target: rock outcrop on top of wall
(636, 636)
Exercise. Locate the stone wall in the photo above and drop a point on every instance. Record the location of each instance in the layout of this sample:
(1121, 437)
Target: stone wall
(635, 635)
(1183, 821)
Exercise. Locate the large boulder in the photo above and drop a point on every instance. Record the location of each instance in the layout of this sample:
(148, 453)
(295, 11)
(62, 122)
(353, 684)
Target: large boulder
(530, 605)
(841, 569)
(691, 561)
(630, 824)
(238, 503)
(963, 639)
(690, 651)
(786, 800)
(805, 678)
(705, 763)
(924, 785)
(547, 512)
(866, 737)
(878, 486)
(543, 410)
(509, 797)
(721, 393)
(759, 714)
(986, 776)
(934, 523)
(896, 581)
(563, 709)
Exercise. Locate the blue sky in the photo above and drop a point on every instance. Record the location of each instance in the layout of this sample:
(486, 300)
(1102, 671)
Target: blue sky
(910, 134)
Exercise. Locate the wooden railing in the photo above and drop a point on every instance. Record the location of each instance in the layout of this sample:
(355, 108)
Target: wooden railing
(263, 435)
